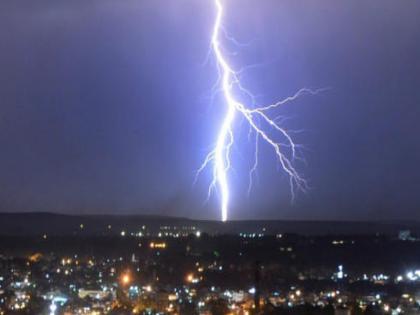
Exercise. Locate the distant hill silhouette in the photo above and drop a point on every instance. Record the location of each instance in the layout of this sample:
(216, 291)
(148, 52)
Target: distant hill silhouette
(39, 223)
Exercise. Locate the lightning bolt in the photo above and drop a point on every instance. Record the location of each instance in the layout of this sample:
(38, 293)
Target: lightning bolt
(258, 119)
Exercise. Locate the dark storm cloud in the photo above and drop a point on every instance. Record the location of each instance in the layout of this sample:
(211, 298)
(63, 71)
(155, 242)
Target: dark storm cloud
(104, 105)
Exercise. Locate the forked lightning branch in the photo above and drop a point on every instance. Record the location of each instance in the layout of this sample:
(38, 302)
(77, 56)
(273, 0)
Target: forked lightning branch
(258, 118)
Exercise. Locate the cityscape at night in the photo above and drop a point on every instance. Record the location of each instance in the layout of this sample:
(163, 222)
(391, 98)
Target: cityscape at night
(105, 265)
(209, 157)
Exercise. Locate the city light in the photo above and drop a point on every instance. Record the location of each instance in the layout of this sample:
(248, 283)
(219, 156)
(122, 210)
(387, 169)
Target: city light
(53, 308)
(157, 245)
(125, 279)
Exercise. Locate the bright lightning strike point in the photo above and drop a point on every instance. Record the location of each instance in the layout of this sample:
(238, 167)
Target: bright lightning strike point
(257, 118)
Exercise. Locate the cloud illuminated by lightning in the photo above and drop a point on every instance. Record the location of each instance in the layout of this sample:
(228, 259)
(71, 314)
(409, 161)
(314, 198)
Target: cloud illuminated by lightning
(258, 119)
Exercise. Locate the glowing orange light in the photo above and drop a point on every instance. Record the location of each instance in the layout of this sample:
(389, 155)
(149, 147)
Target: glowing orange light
(125, 279)
(190, 277)
(158, 245)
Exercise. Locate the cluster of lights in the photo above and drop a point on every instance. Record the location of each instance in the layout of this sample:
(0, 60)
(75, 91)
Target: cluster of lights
(251, 235)
(178, 232)
(292, 298)
(191, 278)
(157, 245)
(413, 275)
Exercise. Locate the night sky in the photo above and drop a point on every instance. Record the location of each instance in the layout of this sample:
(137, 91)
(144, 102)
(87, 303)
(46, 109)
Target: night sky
(105, 106)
